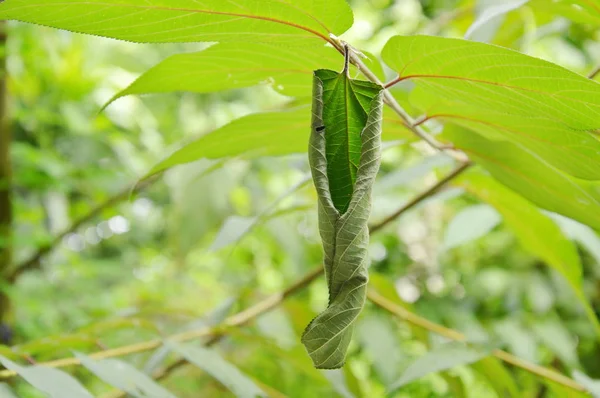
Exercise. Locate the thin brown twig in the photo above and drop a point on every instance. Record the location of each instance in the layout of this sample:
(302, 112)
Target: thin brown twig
(592, 75)
(244, 316)
(34, 260)
(275, 300)
(452, 334)
(238, 319)
(409, 122)
(419, 198)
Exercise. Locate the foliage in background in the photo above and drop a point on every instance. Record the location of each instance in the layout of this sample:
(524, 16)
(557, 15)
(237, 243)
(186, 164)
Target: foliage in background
(492, 255)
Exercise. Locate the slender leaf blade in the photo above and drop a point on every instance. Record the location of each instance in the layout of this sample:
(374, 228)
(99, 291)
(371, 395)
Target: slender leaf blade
(441, 358)
(51, 381)
(261, 134)
(125, 377)
(212, 363)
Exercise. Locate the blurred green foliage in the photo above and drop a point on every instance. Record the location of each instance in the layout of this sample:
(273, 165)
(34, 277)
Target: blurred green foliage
(144, 267)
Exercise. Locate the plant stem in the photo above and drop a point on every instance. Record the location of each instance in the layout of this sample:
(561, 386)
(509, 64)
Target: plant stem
(33, 262)
(419, 198)
(452, 334)
(592, 75)
(238, 319)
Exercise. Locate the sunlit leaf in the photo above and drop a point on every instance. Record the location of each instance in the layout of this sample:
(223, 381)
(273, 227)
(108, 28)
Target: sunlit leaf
(227, 66)
(533, 178)
(470, 224)
(580, 233)
(504, 95)
(55, 383)
(445, 357)
(262, 134)
(213, 364)
(536, 232)
(163, 21)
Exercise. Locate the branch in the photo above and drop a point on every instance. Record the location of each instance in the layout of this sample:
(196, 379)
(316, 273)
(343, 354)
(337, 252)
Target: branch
(409, 122)
(452, 334)
(33, 262)
(419, 198)
(238, 319)
(592, 75)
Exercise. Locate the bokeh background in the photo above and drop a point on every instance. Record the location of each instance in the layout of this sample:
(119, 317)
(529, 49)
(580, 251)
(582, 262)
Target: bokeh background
(219, 235)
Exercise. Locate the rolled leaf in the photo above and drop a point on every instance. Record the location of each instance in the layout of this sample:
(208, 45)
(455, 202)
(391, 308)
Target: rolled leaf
(344, 155)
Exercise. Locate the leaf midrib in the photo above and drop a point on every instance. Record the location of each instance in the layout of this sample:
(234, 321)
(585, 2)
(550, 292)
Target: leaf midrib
(199, 11)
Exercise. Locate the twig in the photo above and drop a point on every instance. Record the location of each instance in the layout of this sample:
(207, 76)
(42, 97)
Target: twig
(34, 261)
(592, 75)
(238, 319)
(162, 373)
(275, 300)
(452, 334)
(419, 198)
(409, 122)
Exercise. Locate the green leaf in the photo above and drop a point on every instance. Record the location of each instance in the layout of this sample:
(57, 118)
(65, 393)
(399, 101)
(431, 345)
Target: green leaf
(536, 232)
(445, 357)
(504, 95)
(162, 21)
(124, 377)
(262, 134)
(51, 381)
(533, 178)
(470, 224)
(213, 364)
(346, 105)
(255, 135)
(344, 233)
(227, 66)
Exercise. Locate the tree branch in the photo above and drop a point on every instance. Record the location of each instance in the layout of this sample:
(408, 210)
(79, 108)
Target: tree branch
(271, 302)
(452, 334)
(419, 198)
(236, 320)
(33, 262)
(409, 122)
(592, 75)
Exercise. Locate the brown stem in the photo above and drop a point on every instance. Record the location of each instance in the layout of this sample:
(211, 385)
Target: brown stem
(592, 75)
(419, 198)
(452, 334)
(33, 262)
